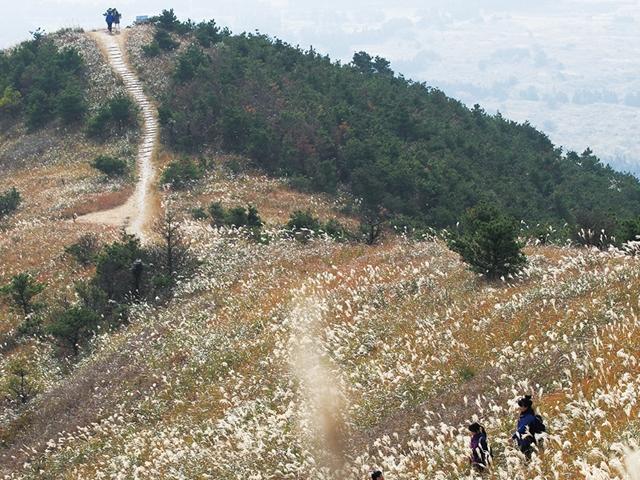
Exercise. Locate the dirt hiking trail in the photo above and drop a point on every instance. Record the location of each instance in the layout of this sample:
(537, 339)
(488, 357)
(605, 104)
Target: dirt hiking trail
(135, 215)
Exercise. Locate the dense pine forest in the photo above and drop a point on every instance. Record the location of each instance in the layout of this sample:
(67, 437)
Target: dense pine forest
(396, 144)
(40, 82)
(44, 84)
(393, 142)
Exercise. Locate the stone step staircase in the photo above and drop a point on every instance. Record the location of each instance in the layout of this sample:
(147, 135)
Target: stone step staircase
(135, 214)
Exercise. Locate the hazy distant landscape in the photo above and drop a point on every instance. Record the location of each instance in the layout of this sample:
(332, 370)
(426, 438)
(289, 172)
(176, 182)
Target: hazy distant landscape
(568, 67)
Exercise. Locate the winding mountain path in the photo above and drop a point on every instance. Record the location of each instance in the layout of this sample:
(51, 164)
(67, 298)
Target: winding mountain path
(136, 214)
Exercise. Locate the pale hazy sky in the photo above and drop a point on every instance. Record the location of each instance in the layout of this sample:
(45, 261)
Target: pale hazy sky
(571, 67)
(280, 17)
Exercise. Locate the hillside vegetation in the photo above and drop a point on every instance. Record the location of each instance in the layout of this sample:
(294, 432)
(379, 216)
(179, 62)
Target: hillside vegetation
(393, 142)
(43, 82)
(258, 337)
(55, 87)
(293, 360)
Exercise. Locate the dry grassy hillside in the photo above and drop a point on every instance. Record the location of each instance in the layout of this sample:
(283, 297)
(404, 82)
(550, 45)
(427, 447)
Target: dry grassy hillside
(292, 360)
(283, 360)
(51, 169)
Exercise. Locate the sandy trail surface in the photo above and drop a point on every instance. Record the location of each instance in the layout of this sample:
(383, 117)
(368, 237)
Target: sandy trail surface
(135, 215)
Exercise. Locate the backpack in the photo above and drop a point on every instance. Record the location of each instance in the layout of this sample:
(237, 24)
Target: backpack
(538, 426)
(486, 452)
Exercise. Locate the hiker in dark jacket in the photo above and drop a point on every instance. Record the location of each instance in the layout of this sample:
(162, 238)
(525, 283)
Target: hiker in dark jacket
(116, 19)
(480, 458)
(529, 425)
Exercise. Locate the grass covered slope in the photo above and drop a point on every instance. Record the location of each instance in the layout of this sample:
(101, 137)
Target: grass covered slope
(395, 143)
(50, 162)
(293, 360)
(301, 357)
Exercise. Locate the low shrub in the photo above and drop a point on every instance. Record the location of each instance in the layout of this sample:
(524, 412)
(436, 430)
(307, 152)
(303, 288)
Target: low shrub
(112, 313)
(117, 114)
(167, 20)
(238, 216)
(234, 166)
(71, 105)
(179, 174)
(303, 225)
(199, 213)
(189, 62)
(488, 242)
(336, 230)
(110, 166)
(39, 109)
(117, 273)
(628, 231)
(466, 373)
(301, 183)
(208, 33)
(164, 41)
(303, 220)
(85, 249)
(31, 326)
(217, 213)
(21, 383)
(73, 326)
(151, 50)
(9, 202)
(42, 81)
(98, 124)
(10, 100)
(22, 291)
(122, 110)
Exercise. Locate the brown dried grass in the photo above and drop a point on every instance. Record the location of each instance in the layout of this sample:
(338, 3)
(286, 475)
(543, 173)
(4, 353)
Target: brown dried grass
(98, 202)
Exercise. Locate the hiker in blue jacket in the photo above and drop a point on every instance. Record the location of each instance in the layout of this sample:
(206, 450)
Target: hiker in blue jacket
(109, 19)
(529, 425)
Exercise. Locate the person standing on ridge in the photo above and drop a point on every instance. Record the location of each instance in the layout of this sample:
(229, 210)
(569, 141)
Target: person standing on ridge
(109, 19)
(116, 19)
(480, 458)
(529, 425)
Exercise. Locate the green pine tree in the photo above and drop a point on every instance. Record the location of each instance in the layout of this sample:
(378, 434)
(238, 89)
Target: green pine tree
(22, 290)
(72, 326)
(489, 243)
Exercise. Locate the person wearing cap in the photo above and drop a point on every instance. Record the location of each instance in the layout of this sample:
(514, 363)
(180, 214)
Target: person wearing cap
(480, 458)
(377, 475)
(529, 424)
